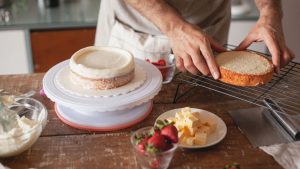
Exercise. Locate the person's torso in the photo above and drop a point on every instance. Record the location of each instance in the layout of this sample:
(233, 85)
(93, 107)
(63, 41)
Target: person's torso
(204, 13)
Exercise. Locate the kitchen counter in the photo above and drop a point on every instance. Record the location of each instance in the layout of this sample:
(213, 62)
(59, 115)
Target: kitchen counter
(32, 14)
(61, 146)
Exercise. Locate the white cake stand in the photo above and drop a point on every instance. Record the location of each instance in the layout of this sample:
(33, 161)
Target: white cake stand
(103, 113)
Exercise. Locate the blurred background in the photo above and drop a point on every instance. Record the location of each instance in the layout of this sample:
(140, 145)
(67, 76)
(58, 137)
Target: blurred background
(37, 34)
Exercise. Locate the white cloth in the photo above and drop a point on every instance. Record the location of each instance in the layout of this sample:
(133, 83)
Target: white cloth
(122, 26)
(287, 155)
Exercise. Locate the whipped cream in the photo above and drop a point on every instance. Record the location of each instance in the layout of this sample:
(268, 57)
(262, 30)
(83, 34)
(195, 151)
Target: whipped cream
(19, 138)
(101, 62)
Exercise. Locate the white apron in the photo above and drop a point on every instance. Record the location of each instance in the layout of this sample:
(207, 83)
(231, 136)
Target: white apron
(120, 25)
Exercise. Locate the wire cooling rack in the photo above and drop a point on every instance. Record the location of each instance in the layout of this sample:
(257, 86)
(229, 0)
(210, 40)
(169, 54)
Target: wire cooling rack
(283, 89)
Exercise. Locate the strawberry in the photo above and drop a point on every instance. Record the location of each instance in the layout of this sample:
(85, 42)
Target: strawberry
(157, 140)
(161, 62)
(170, 132)
(141, 145)
(164, 72)
(168, 145)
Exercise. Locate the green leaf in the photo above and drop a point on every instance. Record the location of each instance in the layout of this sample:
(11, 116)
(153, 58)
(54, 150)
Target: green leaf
(151, 149)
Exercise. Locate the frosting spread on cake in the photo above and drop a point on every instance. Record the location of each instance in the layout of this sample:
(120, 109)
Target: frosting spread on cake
(101, 62)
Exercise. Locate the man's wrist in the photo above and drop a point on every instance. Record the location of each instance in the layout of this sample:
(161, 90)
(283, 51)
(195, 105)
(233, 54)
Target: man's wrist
(271, 13)
(171, 25)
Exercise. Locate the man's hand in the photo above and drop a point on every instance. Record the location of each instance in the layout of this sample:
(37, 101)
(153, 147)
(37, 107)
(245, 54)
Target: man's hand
(269, 29)
(190, 45)
(193, 50)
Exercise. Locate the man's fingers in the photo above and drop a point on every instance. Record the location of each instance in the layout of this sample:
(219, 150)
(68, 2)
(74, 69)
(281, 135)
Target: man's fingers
(274, 49)
(199, 62)
(189, 65)
(216, 46)
(210, 59)
(179, 64)
(245, 43)
(288, 56)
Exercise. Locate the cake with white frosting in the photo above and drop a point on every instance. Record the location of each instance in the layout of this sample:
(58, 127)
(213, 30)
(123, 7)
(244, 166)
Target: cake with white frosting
(101, 67)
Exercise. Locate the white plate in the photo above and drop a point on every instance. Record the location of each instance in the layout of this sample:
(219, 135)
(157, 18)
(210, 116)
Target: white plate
(213, 138)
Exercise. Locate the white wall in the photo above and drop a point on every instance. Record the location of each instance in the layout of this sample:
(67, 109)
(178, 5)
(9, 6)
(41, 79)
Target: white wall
(13, 52)
(239, 30)
(291, 25)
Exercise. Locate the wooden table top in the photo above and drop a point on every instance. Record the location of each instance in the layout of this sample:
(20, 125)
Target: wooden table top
(61, 146)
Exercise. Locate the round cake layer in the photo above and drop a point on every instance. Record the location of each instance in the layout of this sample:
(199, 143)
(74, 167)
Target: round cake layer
(101, 62)
(244, 68)
(101, 84)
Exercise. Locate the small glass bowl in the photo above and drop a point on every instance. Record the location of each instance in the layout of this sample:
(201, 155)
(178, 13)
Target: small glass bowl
(16, 140)
(152, 161)
(167, 70)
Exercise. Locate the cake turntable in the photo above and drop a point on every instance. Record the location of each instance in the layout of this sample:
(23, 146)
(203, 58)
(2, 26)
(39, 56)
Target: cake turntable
(107, 112)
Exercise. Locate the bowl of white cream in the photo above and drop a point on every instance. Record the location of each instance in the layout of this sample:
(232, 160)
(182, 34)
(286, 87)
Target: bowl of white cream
(21, 125)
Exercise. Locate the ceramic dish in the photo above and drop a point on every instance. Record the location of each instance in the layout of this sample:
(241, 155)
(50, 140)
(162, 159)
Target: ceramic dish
(214, 138)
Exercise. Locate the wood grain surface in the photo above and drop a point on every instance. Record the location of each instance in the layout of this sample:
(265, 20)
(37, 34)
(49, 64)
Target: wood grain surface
(61, 146)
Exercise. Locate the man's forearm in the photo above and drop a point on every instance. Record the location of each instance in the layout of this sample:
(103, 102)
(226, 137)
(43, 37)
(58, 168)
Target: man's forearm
(270, 8)
(159, 12)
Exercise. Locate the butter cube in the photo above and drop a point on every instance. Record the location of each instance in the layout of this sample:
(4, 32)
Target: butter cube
(211, 124)
(188, 141)
(186, 131)
(179, 116)
(196, 115)
(181, 135)
(206, 129)
(208, 121)
(193, 130)
(180, 124)
(200, 138)
(186, 111)
(192, 122)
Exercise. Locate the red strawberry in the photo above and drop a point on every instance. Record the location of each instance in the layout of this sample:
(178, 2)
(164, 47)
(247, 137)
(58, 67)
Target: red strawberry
(170, 132)
(141, 145)
(164, 72)
(168, 146)
(161, 62)
(157, 140)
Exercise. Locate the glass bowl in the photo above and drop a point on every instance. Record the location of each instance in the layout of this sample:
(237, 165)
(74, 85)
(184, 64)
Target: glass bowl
(167, 70)
(21, 137)
(159, 160)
